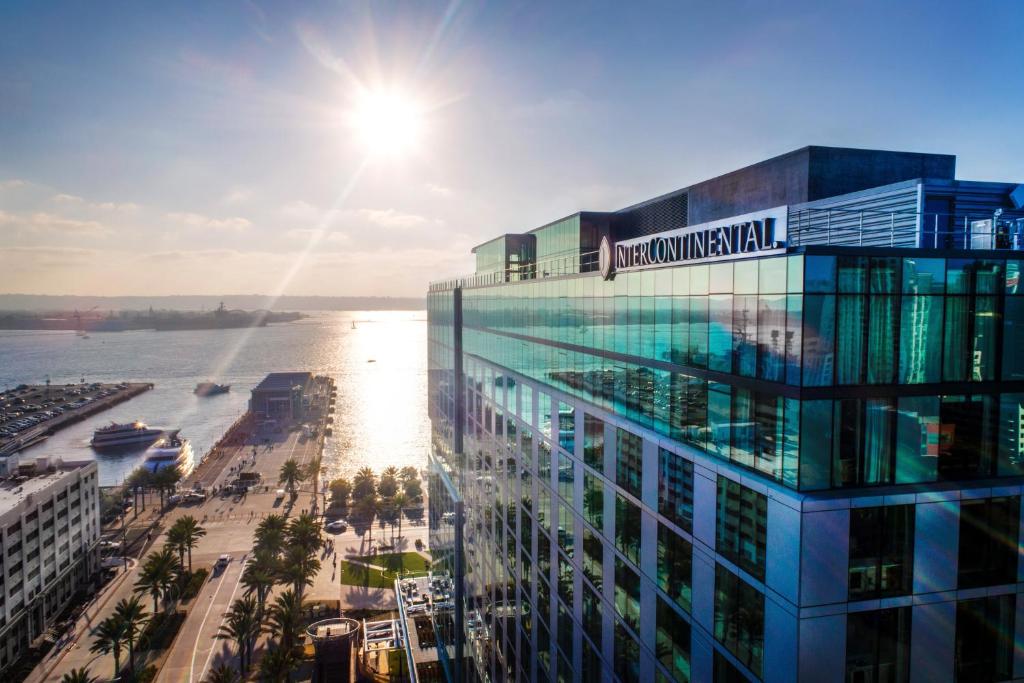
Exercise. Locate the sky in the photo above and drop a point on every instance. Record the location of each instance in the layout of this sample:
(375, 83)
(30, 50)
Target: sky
(222, 148)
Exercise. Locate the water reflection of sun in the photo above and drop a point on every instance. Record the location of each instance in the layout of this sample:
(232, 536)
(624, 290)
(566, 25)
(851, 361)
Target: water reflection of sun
(381, 415)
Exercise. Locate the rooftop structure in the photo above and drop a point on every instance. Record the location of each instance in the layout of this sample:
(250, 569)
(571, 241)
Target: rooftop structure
(50, 529)
(766, 427)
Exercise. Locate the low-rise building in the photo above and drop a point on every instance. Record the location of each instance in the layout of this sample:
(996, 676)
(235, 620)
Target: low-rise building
(50, 530)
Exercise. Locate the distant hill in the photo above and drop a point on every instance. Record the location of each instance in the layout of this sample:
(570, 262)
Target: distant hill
(249, 302)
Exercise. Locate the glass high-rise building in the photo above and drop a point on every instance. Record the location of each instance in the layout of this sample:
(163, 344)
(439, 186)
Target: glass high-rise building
(766, 427)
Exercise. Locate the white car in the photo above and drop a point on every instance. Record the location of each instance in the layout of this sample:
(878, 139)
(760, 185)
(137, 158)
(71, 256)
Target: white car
(337, 526)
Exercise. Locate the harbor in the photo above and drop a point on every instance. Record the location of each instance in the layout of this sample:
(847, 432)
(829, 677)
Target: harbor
(29, 414)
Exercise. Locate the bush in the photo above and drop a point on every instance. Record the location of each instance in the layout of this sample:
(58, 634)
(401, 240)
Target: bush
(419, 544)
(413, 489)
(195, 584)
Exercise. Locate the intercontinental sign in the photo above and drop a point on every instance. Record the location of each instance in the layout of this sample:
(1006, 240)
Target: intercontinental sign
(760, 232)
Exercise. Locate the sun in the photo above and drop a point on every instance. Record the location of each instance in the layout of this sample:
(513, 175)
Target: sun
(387, 122)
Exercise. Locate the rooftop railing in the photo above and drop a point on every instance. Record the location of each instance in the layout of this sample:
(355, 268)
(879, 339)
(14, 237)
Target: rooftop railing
(874, 228)
(833, 226)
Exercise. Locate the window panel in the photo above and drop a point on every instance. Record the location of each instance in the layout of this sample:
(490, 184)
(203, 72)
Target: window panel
(878, 645)
(675, 488)
(675, 558)
(881, 551)
(739, 618)
(742, 521)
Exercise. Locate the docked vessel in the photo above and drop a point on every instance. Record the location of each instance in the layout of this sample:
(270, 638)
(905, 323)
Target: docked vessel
(127, 435)
(170, 450)
(211, 389)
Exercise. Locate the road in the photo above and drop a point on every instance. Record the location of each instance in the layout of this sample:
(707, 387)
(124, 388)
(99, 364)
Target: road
(197, 647)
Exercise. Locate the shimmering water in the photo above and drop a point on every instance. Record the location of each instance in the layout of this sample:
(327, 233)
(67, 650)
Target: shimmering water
(381, 417)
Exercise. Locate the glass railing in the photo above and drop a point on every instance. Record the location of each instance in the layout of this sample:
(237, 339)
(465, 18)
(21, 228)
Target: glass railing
(872, 228)
(556, 266)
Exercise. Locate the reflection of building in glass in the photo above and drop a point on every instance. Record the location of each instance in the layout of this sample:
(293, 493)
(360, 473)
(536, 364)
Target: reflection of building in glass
(797, 459)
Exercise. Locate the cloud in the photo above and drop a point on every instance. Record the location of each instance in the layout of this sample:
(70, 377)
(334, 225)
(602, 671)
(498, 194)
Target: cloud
(12, 183)
(391, 218)
(48, 222)
(47, 257)
(63, 198)
(198, 220)
(439, 190)
(236, 195)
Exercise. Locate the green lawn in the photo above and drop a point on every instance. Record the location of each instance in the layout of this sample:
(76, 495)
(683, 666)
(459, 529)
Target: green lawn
(399, 562)
(358, 575)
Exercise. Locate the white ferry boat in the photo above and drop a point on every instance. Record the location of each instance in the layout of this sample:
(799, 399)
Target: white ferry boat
(126, 435)
(169, 451)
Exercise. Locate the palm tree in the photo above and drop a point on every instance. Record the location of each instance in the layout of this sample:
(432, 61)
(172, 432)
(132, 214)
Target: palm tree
(298, 568)
(242, 625)
(176, 542)
(165, 479)
(110, 635)
(157, 576)
(223, 673)
(291, 474)
(141, 478)
(133, 615)
(366, 510)
(260, 575)
(276, 666)
(191, 532)
(364, 484)
(284, 619)
(304, 531)
(408, 473)
(270, 534)
(399, 502)
(79, 676)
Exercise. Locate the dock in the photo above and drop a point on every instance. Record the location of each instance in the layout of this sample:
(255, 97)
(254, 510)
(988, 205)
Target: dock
(59, 406)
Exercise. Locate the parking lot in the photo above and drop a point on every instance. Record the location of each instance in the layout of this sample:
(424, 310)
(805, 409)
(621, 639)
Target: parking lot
(29, 412)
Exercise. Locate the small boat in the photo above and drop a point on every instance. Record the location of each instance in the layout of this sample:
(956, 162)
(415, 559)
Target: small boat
(353, 324)
(372, 360)
(211, 389)
(115, 436)
(169, 451)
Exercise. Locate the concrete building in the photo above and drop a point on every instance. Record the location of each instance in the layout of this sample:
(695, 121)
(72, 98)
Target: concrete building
(50, 526)
(766, 427)
(280, 395)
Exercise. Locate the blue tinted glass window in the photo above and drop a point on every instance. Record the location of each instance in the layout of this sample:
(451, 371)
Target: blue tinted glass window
(820, 274)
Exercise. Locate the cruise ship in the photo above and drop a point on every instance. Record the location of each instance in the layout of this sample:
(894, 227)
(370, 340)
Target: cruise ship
(169, 451)
(127, 435)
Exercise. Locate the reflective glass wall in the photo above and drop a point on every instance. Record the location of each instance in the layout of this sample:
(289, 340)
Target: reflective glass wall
(750, 360)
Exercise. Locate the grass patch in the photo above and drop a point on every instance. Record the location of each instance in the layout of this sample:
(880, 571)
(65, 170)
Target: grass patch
(357, 575)
(399, 562)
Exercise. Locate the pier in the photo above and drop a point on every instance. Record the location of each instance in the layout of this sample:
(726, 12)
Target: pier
(59, 406)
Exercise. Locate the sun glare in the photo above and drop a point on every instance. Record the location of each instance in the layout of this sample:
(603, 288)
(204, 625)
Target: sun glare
(387, 122)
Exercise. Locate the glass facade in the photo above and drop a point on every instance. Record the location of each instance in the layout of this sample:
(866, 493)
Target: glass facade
(730, 358)
(768, 468)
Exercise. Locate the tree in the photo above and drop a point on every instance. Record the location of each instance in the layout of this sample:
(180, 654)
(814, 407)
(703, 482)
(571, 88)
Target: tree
(341, 489)
(284, 619)
(399, 502)
(191, 532)
(133, 615)
(166, 479)
(277, 665)
(157, 576)
(298, 568)
(304, 531)
(79, 676)
(291, 474)
(110, 635)
(242, 625)
(413, 489)
(270, 534)
(176, 542)
(388, 485)
(223, 673)
(366, 510)
(408, 474)
(364, 484)
(260, 575)
(141, 478)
